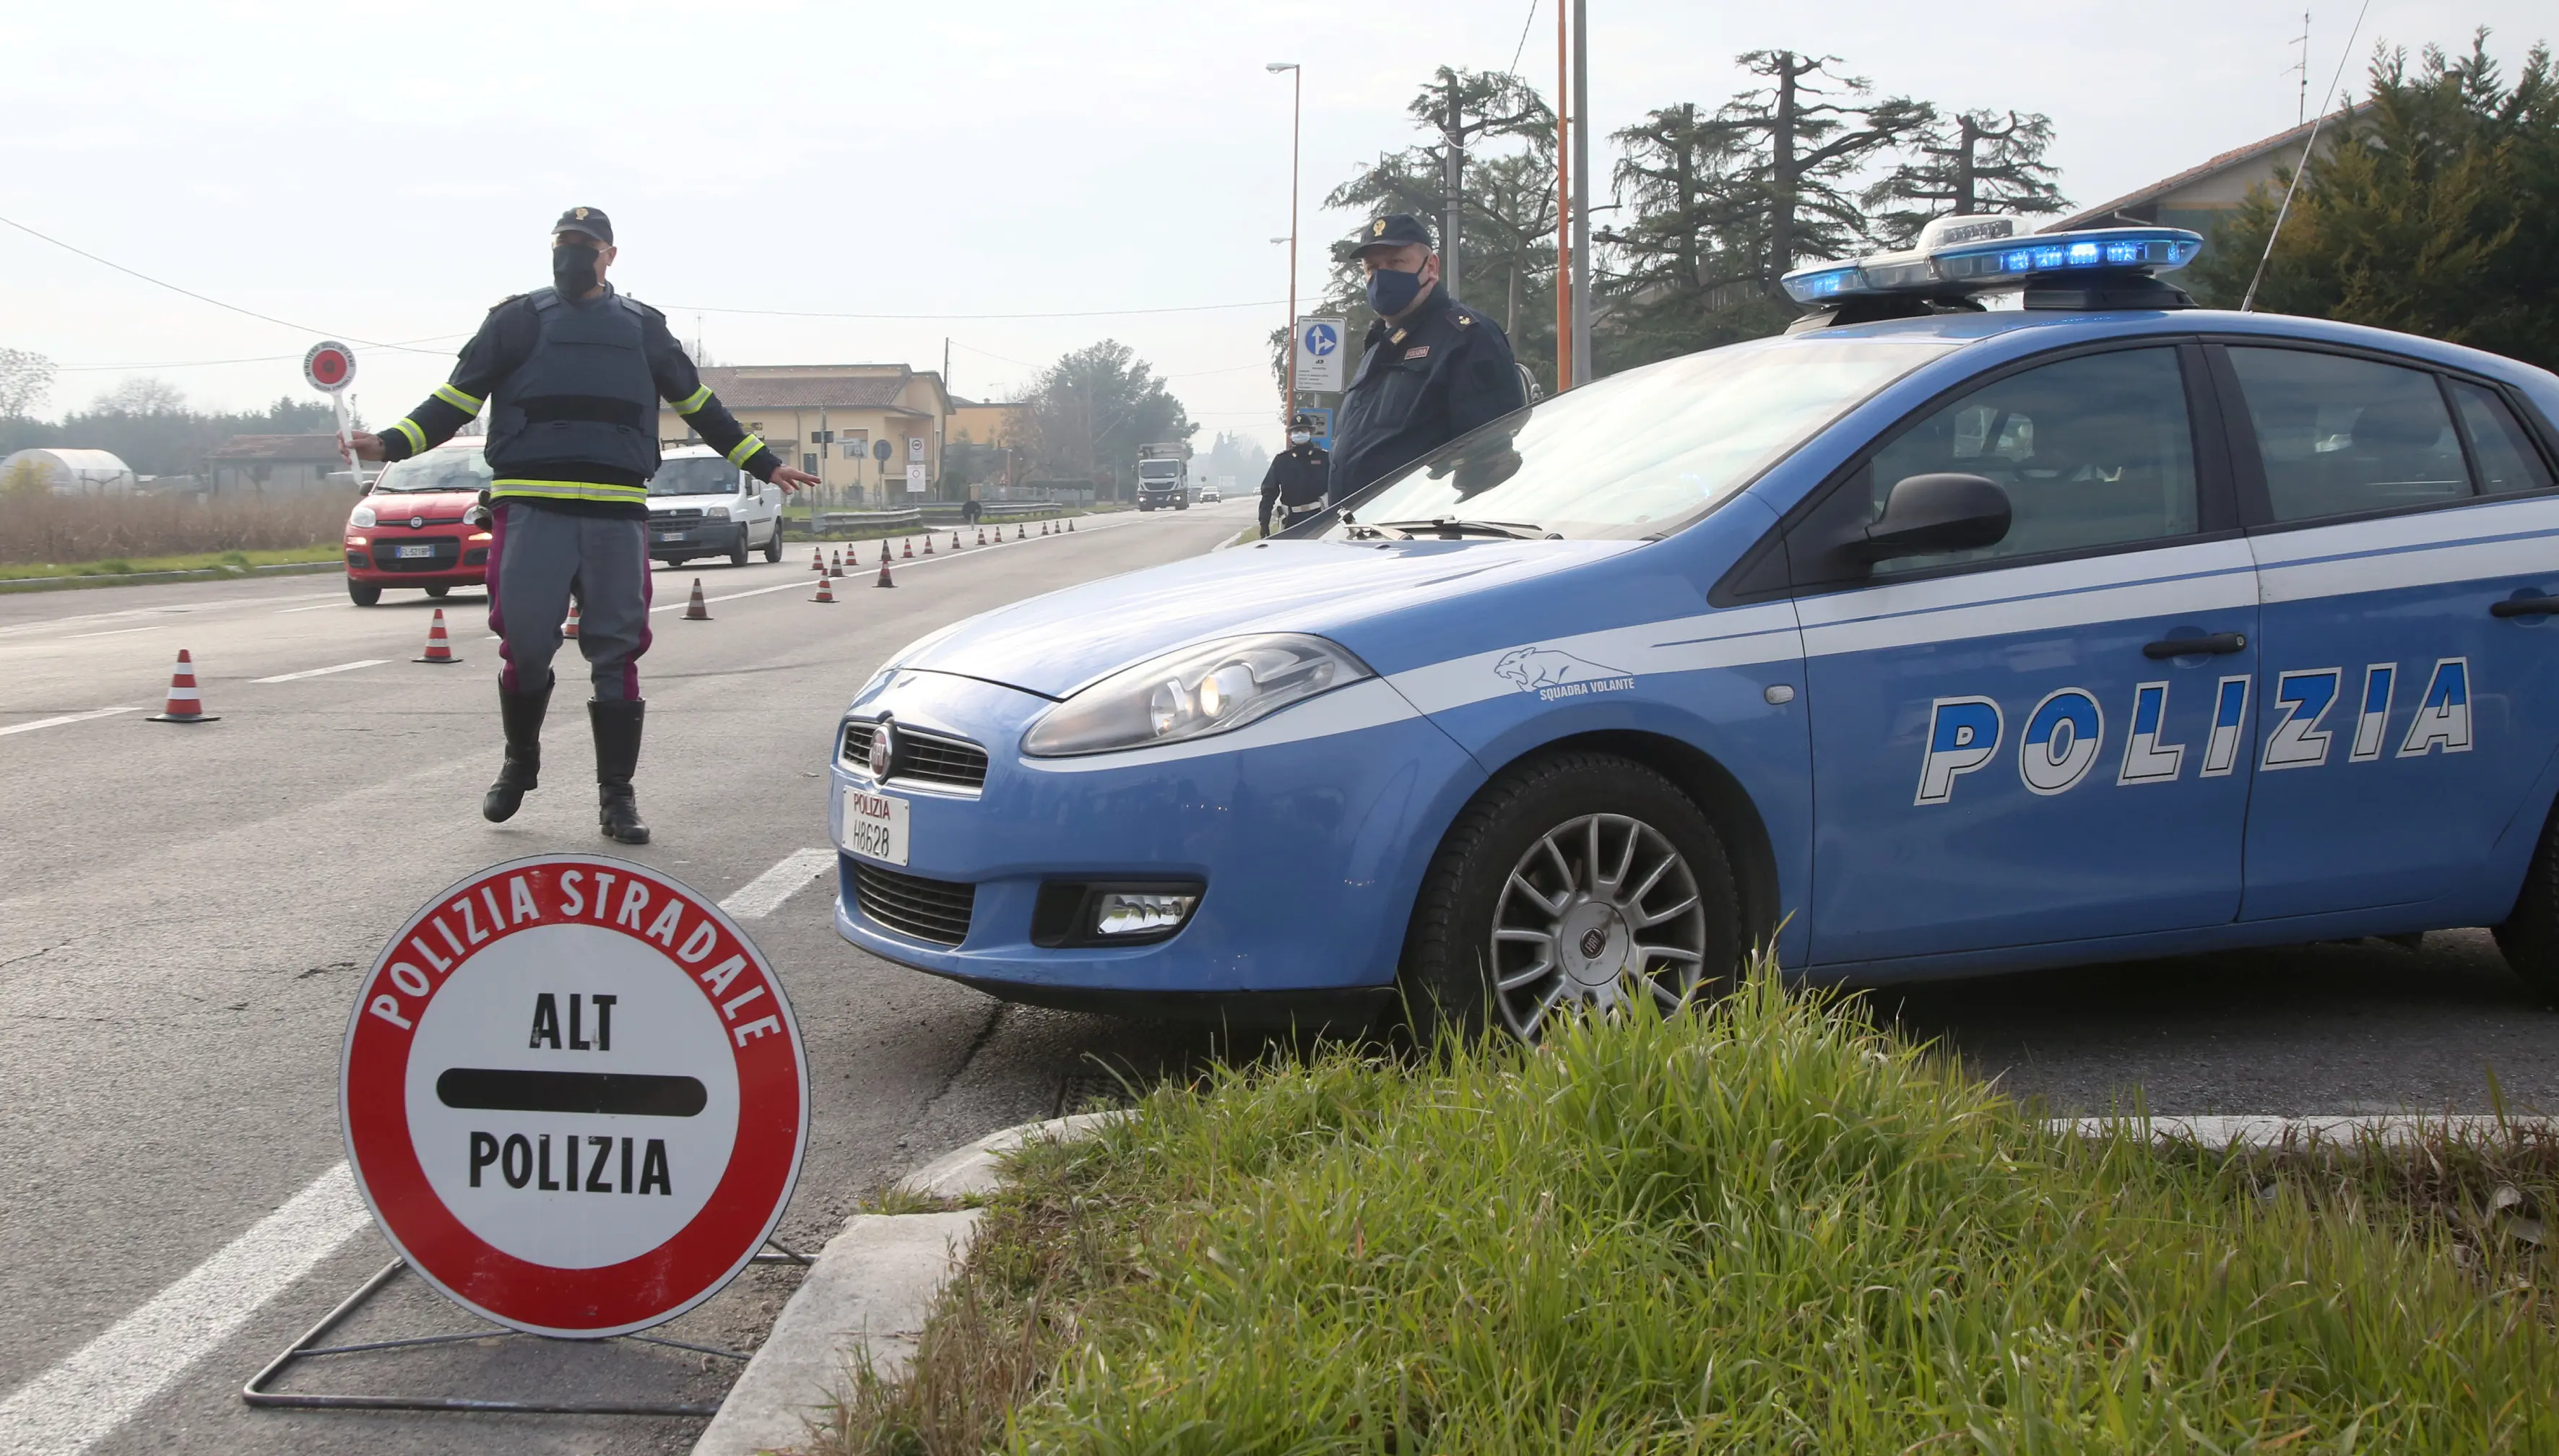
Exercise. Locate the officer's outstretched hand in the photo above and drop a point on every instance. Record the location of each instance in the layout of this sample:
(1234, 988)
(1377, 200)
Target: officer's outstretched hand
(789, 479)
(367, 446)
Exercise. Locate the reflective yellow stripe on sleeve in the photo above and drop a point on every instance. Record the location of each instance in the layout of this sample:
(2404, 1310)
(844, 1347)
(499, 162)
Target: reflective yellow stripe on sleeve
(569, 490)
(416, 437)
(744, 448)
(459, 400)
(695, 401)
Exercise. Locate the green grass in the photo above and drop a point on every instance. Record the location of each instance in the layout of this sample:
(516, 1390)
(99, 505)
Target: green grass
(209, 563)
(1767, 1227)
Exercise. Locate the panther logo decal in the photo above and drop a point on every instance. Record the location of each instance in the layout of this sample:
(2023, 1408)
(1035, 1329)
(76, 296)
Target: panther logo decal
(1532, 669)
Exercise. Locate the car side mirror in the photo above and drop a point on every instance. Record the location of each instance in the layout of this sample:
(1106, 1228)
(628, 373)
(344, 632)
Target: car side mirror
(1927, 514)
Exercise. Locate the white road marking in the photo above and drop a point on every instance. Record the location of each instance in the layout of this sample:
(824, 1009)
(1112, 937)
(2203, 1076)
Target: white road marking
(317, 607)
(764, 894)
(65, 718)
(322, 672)
(117, 631)
(69, 1408)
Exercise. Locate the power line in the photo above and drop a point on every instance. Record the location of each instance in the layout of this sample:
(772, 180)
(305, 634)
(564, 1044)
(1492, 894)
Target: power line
(1521, 47)
(198, 297)
(207, 364)
(1198, 307)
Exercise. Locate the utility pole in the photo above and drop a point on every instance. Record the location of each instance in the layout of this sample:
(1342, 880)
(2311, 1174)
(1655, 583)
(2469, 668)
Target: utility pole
(1563, 199)
(1452, 176)
(1296, 114)
(1581, 192)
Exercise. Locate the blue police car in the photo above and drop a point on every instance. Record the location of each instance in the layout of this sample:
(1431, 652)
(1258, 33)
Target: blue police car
(2006, 612)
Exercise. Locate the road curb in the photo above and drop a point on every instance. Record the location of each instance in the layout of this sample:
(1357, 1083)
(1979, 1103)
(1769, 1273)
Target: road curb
(866, 1297)
(2249, 1130)
(149, 578)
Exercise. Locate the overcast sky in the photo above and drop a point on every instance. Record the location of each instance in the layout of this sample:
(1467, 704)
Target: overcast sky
(386, 173)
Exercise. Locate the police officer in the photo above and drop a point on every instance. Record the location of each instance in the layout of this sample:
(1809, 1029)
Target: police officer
(1432, 369)
(1297, 479)
(571, 376)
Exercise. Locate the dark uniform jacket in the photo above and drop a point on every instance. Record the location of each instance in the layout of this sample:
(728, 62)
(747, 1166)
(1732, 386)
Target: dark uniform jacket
(611, 484)
(1297, 478)
(1443, 371)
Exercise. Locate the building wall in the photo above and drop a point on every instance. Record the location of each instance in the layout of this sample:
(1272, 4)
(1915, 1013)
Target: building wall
(918, 413)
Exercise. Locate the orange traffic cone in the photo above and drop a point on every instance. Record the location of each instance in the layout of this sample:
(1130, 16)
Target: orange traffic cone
(1070, 522)
(928, 544)
(817, 559)
(909, 544)
(184, 705)
(883, 550)
(1021, 532)
(982, 536)
(569, 628)
(698, 610)
(825, 590)
(440, 648)
(955, 541)
(838, 568)
(1043, 527)
(883, 576)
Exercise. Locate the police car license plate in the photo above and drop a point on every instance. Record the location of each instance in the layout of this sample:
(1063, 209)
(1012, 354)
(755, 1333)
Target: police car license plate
(874, 824)
(415, 553)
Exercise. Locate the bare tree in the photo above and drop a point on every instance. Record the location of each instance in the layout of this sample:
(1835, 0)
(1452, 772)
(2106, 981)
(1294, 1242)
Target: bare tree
(26, 378)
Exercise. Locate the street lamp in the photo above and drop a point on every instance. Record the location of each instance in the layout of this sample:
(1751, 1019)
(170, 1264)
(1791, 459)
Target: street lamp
(1296, 111)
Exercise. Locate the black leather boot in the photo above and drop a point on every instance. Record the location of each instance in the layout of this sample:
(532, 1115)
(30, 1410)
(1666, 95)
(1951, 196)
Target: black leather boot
(522, 713)
(617, 753)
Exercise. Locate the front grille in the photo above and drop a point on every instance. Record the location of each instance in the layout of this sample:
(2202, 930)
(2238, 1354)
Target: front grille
(926, 758)
(929, 910)
(660, 516)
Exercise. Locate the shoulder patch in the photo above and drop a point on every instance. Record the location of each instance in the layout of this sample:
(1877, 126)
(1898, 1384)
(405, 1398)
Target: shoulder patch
(1465, 320)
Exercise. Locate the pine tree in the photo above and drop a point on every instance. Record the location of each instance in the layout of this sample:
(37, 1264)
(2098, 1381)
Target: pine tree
(1979, 162)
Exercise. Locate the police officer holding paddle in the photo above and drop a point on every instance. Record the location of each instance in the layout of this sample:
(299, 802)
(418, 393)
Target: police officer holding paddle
(571, 376)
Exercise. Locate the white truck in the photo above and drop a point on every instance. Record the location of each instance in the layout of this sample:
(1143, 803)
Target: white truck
(1163, 476)
(699, 504)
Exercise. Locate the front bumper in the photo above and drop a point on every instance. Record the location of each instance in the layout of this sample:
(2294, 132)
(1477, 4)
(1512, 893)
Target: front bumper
(1309, 829)
(705, 538)
(457, 557)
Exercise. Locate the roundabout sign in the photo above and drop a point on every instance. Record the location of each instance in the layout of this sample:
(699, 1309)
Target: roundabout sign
(575, 1095)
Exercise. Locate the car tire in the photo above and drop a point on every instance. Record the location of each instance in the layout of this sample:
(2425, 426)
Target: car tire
(2529, 935)
(737, 553)
(364, 596)
(439, 592)
(1518, 865)
(773, 544)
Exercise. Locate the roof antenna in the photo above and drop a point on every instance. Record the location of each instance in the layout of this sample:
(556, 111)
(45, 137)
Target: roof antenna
(2249, 301)
(2302, 109)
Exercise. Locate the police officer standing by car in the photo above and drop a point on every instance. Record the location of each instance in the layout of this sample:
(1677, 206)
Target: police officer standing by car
(1432, 369)
(1298, 478)
(571, 376)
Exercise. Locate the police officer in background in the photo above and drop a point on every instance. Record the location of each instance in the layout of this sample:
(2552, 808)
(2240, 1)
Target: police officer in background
(1298, 478)
(1432, 369)
(571, 376)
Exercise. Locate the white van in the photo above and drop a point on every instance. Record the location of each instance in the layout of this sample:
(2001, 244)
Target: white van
(699, 504)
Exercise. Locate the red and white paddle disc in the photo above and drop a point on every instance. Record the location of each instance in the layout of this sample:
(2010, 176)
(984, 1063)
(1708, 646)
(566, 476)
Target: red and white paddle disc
(575, 1095)
(329, 366)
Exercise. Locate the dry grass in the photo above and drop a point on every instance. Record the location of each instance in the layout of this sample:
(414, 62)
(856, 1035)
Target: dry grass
(39, 528)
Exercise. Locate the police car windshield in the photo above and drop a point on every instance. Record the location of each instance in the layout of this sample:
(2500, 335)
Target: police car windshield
(700, 475)
(1646, 451)
(436, 470)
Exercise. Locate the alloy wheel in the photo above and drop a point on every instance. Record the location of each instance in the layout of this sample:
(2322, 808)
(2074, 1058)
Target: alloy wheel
(1598, 905)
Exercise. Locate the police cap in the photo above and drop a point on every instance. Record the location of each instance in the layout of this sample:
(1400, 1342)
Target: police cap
(589, 220)
(1393, 231)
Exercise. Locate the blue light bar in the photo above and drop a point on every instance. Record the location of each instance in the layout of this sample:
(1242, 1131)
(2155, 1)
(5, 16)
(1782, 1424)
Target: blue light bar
(1980, 264)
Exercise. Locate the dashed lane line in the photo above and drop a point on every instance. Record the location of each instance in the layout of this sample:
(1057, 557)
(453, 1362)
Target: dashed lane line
(115, 632)
(764, 894)
(322, 672)
(55, 722)
(71, 1407)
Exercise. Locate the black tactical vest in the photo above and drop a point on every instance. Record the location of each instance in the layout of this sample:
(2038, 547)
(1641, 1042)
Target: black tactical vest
(582, 399)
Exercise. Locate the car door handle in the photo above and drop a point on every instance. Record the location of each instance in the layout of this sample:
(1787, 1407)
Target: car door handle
(2524, 607)
(2189, 646)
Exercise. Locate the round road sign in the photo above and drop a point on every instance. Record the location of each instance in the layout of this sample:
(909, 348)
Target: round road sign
(329, 366)
(573, 1096)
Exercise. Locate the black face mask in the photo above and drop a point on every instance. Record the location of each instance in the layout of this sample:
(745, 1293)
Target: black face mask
(573, 269)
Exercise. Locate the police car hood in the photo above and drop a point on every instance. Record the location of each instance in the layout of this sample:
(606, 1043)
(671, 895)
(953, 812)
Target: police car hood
(1055, 643)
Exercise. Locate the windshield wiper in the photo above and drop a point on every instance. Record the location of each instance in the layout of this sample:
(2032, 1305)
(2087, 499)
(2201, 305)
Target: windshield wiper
(1451, 527)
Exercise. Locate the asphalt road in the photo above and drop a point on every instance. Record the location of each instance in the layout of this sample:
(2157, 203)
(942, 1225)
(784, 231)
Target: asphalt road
(184, 913)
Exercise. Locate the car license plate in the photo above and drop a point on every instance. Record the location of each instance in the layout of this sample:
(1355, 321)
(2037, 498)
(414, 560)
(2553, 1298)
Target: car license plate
(671, 535)
(874, 824)
(417, 553)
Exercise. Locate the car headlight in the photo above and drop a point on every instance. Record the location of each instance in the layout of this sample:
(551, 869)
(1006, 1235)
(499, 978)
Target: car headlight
(1213, 687)
(360, 515)
(718, 513)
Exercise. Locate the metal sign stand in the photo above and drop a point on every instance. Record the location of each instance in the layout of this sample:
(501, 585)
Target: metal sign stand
(258, 1392)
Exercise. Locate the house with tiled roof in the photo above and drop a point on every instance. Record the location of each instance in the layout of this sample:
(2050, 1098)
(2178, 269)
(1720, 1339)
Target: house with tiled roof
(830, 419)
(2201, 195)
